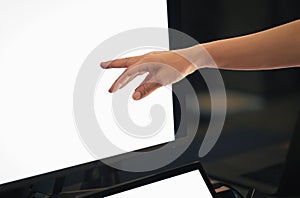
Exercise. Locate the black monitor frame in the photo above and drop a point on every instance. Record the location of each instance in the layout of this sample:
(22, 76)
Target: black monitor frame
(55, 180)
(155, 178)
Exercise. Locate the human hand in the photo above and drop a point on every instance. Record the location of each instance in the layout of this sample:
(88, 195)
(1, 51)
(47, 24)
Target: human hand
(163, 68)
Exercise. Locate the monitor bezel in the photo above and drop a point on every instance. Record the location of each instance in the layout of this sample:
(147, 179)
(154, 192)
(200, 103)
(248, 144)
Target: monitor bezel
(158, 177)
(174, 22)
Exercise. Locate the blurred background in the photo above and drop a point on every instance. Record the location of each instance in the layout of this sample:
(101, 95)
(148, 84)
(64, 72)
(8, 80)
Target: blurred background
(262, 106)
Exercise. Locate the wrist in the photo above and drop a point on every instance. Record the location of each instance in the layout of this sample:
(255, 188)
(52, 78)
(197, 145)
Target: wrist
(198, 56)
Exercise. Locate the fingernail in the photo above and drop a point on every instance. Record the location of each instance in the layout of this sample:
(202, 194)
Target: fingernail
(111, 90)
(136, 95)
(104, 64)
(114, 88)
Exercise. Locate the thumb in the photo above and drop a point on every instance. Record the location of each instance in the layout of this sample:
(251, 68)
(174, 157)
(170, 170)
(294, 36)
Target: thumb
(145, 89)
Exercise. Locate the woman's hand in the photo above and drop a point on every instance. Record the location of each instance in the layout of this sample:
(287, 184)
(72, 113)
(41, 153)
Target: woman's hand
(163, 68)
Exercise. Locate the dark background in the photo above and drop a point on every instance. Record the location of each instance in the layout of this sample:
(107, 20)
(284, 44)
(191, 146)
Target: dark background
(262, 105)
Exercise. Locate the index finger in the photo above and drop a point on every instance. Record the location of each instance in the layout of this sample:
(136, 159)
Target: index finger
(120, 63)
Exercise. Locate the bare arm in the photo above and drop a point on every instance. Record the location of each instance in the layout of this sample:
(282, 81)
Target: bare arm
(278, 47)
(275, 48)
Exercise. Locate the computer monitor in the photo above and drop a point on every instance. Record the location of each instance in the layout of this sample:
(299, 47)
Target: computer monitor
(43, 45)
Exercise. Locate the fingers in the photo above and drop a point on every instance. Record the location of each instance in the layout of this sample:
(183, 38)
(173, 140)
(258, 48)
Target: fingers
(145, 89)
(130, 78)
(134, 68)
(128, 75)
(120, 63)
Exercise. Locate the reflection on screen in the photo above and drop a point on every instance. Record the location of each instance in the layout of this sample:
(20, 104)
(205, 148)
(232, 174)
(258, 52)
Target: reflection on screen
(186, 185)
(43, 44)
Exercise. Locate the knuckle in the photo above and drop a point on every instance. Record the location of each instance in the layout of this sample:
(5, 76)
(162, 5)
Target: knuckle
(154, 52)
(144, 89)
(150, 55)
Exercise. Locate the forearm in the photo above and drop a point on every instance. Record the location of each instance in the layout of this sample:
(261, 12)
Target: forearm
(275, 48)
(278, 47)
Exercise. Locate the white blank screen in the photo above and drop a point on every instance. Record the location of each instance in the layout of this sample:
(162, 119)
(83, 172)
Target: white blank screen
(42, 46)
(190, 185)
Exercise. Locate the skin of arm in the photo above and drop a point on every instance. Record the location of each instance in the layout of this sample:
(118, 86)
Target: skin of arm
(274, 48)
